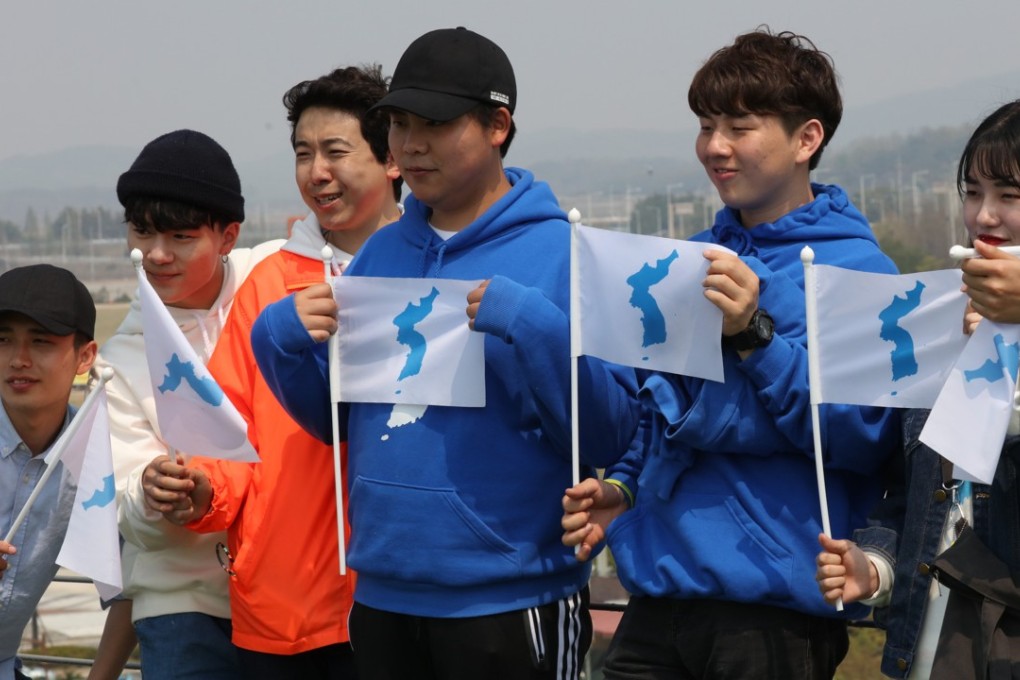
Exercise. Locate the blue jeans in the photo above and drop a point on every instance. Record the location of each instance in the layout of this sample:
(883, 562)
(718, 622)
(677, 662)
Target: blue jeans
(187, 646)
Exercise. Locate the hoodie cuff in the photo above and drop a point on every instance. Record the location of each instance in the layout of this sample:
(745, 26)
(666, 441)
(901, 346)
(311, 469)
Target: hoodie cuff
(502, 300)
(285, 327)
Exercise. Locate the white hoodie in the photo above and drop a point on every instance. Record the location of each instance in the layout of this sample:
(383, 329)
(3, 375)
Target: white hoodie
(167, 569)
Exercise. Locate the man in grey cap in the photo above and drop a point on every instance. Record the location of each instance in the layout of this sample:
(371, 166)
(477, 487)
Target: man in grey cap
(47, 323)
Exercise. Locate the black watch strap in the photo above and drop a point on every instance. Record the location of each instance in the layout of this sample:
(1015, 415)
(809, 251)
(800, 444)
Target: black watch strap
(758, 333)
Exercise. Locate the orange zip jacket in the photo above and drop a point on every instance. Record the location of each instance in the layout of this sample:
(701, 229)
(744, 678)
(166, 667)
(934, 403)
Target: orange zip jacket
(286, 593)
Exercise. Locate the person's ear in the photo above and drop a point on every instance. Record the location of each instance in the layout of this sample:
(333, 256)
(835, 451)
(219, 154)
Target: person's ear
(86, 357)
(499, 127)
(809, 138)
(230, 235)
(392, 171)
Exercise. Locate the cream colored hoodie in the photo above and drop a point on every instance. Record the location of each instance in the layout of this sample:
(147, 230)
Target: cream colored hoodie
(167, 569)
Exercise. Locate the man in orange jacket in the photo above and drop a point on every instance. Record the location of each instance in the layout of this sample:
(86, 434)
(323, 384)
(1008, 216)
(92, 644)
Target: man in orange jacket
(288, 600)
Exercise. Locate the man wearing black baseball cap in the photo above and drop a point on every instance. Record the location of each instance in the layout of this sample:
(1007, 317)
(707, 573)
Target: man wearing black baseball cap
(460, 577)
(47, 323)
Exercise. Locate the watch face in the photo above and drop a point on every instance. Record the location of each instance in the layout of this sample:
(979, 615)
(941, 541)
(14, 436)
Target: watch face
(757, 334)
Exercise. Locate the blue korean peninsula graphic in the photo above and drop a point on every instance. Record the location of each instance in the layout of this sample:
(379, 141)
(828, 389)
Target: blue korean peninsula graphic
(407, 335)
(101, 497)
(178, 372)
(1006, 363)
(904, 363)
(641, 282)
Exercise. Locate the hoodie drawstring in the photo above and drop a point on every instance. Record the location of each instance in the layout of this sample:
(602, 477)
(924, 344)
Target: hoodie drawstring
(207, 341)
(439, 259)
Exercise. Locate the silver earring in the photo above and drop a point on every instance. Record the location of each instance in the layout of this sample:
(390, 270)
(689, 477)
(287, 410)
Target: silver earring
(224, 258)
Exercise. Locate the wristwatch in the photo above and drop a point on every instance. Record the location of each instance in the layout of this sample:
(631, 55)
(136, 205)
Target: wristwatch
(757, 334)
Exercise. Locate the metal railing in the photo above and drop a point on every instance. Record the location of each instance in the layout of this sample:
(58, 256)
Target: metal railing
(69, 660)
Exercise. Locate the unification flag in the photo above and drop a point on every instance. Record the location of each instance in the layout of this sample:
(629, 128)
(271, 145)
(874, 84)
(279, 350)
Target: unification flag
(968, 423)
(887, 339)
(92, 544)
(194, 414)
(642, 303)
(407, 341)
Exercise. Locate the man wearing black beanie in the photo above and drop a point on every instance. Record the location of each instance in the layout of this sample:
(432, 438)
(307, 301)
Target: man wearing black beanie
(186, 167)
(183, 209)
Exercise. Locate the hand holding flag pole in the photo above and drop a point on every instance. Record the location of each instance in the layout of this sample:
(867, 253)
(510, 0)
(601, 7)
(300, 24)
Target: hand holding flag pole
(334, 399)
(807, 258)
(56, 451)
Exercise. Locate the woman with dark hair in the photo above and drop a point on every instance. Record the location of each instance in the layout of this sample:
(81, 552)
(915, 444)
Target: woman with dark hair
(931, 526)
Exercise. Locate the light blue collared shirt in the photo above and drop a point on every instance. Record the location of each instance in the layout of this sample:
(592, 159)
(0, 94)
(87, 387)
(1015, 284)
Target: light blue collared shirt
(38, 539)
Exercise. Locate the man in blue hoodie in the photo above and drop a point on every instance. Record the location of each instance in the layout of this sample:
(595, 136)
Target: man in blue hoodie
(718, 549)
(454, 512)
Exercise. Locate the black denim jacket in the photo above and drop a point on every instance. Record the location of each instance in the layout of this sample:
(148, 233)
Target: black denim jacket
(906, 527)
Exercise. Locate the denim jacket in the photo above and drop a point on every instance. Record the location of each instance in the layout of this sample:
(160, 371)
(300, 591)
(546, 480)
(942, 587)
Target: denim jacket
(906, 528)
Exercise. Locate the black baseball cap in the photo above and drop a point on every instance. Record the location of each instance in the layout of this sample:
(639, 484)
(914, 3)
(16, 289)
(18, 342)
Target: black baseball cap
(52, 297)
(445, 73)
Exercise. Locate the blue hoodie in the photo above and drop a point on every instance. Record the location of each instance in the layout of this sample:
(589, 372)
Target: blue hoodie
(726, 496)
(456, 512)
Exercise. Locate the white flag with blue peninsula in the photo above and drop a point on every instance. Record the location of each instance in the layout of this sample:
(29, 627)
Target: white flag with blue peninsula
(407, 341)
(887, 339)
(195, 416)
(92, 544)
(967, 424)
(643, 303)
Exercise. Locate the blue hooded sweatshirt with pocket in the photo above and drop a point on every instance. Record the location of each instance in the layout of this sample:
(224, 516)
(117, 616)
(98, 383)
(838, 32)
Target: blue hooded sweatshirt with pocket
(455, 512)
(727, 503)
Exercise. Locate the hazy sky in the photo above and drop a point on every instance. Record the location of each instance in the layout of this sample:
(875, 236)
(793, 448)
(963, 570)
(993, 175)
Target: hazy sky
(121, 72)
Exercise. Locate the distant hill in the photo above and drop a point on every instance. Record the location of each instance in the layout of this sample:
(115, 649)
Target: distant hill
(964, 104)
(920, 131)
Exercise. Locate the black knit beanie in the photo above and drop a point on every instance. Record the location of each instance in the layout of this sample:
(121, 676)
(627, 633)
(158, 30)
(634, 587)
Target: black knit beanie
(188, 167)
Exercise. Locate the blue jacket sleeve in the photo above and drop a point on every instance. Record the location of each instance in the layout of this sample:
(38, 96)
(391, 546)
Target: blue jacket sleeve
(538, 332)
(886, 522)
(765, 406)
(295, 367)
(627, 470)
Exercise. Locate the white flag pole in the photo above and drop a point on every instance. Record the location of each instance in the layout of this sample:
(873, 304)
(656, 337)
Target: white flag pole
(334, 400)
(56, 452)
(575, 345)
(962, 253)
(807, 258)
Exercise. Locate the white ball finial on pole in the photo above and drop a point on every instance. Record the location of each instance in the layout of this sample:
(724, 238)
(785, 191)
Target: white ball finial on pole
(574, 216)
(958, 252)
(807, 256)
(136, 258)
(327, 261)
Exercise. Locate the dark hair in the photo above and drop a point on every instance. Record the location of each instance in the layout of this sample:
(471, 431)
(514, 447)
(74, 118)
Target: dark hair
(994, 148)
(80, 340)
(160, 214)
(353, 90)
(783, 75)
(485, 114)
